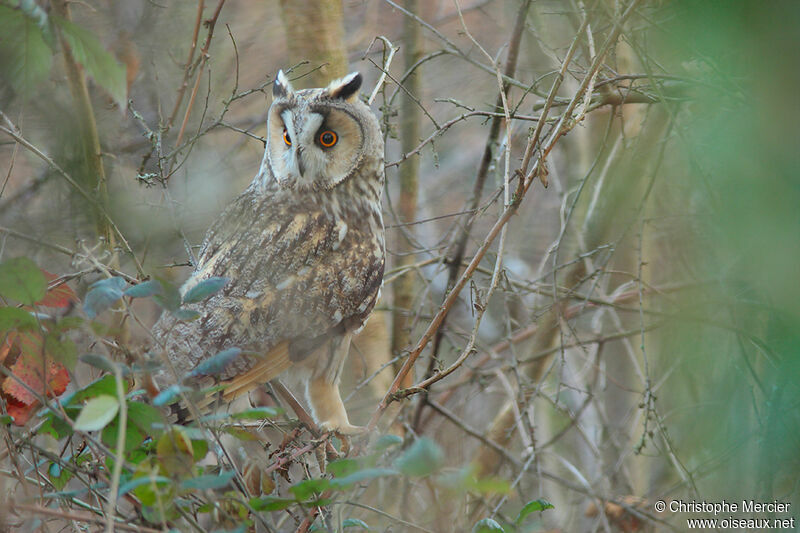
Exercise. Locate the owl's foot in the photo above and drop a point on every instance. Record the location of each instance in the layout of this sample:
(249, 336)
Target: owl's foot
(342, 428)
(328, 408)
(344, 434)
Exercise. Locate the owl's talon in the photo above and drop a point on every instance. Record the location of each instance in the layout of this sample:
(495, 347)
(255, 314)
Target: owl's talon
(344, 429)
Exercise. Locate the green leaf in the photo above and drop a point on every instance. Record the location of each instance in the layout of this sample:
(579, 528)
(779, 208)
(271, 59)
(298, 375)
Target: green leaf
(63, 351)
(343, 467)
(67, 323)
(209, 481)
(489, 485)
(355, 522)
(97, 413)
(140, 481)
(14, 318)
(105, 385)
(139, 454)
(21, 280)
(422, 458)
(204, 289)
(487, 525)
(239, 433)
(25, 57)
(533, 506)
(145, 417)
(103, 295)
(103, 363)
(144, 289)
(6, 419)
(165, 511)
(258, 413)
(465, 479)
(215, 364)
(199, 449)
(308, 488)
(55, 426)
(96, 60)
(385, 442)
(133, 436)
(170, 297)
(206, 507)
(271, 503)
(58, 476)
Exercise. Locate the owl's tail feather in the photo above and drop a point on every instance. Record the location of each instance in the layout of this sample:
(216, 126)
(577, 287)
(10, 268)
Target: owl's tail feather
(273, 364)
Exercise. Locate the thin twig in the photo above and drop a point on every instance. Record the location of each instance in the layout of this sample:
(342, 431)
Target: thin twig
(211, 23)
(522, 189)
(111, 508)
(12, 131)
(392, 50)
(77, 517)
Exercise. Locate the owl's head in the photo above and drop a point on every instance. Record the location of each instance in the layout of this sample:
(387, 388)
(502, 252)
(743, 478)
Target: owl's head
(318, 138)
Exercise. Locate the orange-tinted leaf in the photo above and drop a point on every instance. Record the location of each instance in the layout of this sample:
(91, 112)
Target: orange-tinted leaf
(6, 344)
(59, 296)
(58, 379)
(28, 369)
(20, 411)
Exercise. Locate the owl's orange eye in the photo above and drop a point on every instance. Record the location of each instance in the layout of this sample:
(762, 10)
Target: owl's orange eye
(286, 138)
(328, 138)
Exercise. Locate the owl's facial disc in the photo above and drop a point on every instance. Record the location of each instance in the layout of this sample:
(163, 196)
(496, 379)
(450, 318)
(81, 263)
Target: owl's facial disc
(317, 146)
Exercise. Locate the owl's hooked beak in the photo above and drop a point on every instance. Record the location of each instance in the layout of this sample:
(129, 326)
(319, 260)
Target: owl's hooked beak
(301, 168)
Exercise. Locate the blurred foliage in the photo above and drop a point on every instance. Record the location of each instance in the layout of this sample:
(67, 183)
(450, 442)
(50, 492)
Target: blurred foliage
(739, 337)
(28, 43)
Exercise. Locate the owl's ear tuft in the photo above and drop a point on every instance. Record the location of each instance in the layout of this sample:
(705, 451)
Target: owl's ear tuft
(345, 88)
(281, 86)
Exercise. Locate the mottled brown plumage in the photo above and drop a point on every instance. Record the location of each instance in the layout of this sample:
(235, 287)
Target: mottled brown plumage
(303, 249)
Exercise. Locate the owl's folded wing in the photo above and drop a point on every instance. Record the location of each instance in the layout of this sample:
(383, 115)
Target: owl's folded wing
(297, 278)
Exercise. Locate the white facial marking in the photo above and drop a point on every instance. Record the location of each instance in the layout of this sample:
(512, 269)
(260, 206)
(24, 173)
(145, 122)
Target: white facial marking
(288, 122)
(289, 155)
(310, 127)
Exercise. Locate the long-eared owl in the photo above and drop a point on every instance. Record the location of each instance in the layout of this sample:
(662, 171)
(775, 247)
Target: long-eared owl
(303, 251)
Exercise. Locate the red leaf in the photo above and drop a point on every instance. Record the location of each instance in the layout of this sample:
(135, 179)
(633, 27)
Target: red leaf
(28, 369)
(57, 379)
(6, 345)
(20, 411)
(59, 296)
